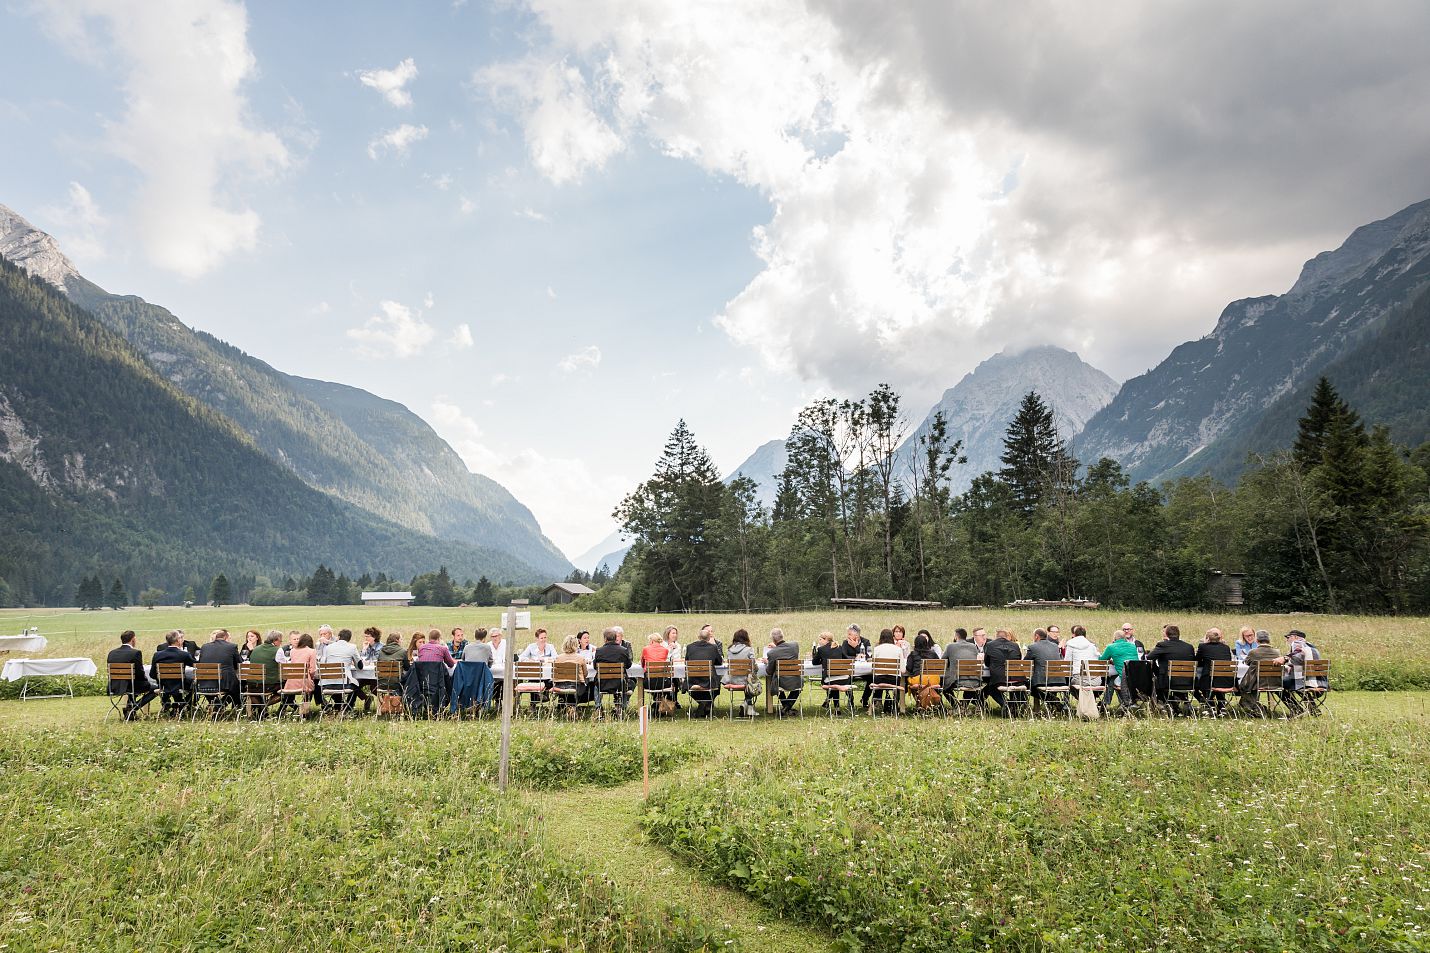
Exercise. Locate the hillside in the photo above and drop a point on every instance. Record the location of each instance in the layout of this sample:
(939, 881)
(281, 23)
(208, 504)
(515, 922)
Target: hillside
(337, 439)
(106, 467)
(1213, 391)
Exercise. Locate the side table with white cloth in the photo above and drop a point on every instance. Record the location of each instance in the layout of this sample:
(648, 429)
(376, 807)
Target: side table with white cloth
(23, 643)
(23, 669)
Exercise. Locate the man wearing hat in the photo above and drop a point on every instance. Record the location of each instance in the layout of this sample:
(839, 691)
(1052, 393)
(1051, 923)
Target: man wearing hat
(1247, 688)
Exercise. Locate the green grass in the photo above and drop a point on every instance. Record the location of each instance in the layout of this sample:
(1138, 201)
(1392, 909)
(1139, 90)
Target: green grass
(1313, 834)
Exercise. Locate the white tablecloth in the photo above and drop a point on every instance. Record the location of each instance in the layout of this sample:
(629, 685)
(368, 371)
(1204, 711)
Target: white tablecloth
(18, 668)
(23, 643)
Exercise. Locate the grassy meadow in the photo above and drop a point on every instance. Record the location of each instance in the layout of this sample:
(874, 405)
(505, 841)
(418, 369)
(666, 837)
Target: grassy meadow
(792, 835)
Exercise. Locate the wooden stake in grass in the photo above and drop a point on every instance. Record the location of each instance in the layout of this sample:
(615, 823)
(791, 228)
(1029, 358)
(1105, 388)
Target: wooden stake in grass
(645, 751)
(508, 694)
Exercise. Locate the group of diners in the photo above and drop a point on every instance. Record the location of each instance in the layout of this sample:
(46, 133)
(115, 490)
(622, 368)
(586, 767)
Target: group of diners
(435, 673)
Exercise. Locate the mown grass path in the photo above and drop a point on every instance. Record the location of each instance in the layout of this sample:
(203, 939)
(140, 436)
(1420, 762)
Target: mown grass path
(599, 829)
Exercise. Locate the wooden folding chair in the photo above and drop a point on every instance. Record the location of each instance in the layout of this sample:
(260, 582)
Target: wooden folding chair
(337, 691)
(531, 680)
(173, 689)
(968, 700)
(657, 683)
(120, 688)
(839, 679)
(1096, 674)
(1269, 673)
(1181, 682)
(567, 683)
(1016, 676)
(790, 668)
(888, 680)
(289, 672)
(699, 672)
(737, 678)
(930, 675)
(1313, 696)
(1056, 690)
(254, 691)
(1222, 686)
(389, 686)
(611, 680)
(208, 688)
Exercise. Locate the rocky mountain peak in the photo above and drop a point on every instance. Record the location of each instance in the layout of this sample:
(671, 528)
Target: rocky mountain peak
(1364, 245)
(33, 250)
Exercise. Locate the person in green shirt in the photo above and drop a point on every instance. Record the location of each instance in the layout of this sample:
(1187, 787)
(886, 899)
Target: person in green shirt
(1119, 652)
(267, 656)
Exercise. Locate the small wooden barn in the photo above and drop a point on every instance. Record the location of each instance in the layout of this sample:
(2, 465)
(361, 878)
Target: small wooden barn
(387, 598)
(560, 593)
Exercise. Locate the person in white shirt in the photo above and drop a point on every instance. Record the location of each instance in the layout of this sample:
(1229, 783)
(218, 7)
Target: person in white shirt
(539, 650)
(325, 639)
(672, 644)
(887, 648)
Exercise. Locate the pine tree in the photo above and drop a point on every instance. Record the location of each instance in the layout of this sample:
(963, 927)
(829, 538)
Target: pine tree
(482, 593)
(321, 586)
(1035, 460)
(342, 590)
(220, 593)
(443, 593)
(1325, 406)
(118, 595)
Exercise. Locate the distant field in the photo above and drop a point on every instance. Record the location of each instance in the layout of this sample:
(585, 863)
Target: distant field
(1369, 652)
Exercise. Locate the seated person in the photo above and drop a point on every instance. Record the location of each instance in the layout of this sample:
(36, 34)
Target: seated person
(740, 648)
(1249, 682)
(1170, 649)
(127, 654)
(1212, 649)
(1121, 650)
(887, 648)
(1044, 649)
(570, 653)
(704, 691)
(655, 651)
(223, 653)
(612, 652)
(997, 653)
(787, 688)
(925, 688)
(176, 695)
(960, 649)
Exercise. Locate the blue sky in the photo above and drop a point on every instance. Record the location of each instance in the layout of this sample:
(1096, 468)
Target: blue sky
(553, 227)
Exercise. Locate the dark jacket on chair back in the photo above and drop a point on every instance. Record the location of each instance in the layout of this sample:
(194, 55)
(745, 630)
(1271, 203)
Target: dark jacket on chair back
(225, 656)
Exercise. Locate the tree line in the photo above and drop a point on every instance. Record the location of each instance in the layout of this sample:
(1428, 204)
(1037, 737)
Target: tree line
(1338, 522)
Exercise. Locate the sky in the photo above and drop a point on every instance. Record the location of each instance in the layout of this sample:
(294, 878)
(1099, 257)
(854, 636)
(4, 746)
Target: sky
(552, 228)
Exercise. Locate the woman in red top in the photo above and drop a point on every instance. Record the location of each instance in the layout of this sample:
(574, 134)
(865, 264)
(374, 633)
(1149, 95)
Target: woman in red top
(655, 651)
(305, 655)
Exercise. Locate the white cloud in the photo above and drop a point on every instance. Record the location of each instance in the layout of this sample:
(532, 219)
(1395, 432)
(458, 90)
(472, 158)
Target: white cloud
(551, 292)
(462, 337)
(428, 301)
(322, 307)
(466, 205)
(397, 141)
(588, 356)
(391, 83)
(572, 502)
(395, 332)
(79, 224)
(187, 126)
(946, 180)
(531, 214)
(443, 182)
(564, 133)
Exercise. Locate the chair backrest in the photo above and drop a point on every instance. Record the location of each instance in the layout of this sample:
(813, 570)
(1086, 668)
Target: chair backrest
(789, 668)
(660, 670)
(1096, 668)
(743, 667)
(968, 668)
(837, 668)
(887, 667)
(332, 672)
(248, 672)
(530, 671)
(1058, 670)
(292, 671)
(610, 672)
(568, 672)
(701, 669)
(1223, 674)
(1019, 669)
(1268, 675)
(933, 668)
(206, 672)
(1317, 668)
(170, 672)
(123, 674)
(389, 671)
(1182, 672)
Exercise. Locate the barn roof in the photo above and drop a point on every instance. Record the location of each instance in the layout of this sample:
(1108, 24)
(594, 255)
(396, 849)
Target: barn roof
(366, 596)
(573, 588)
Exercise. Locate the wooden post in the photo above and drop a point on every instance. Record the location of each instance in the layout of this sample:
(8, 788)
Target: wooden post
(645, 750)
(508, 695)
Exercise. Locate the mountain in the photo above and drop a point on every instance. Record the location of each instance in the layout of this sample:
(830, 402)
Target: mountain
(107, 467)
(980, 406)
(764, 466)
(611, 551)
(344, 441)
(1208, 394)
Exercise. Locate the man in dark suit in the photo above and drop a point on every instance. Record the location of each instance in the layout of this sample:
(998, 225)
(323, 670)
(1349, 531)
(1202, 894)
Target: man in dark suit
(127, 654)
(224, 654)
(996, 655)
(176, 694)
(614, 651)
(1170, 649)
(703, 691)
(788, 687)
